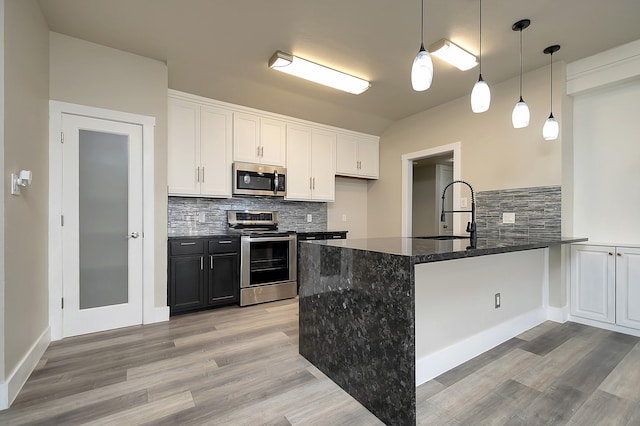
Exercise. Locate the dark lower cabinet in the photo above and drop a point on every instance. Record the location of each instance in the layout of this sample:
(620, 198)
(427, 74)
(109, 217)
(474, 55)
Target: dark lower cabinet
(203, 273)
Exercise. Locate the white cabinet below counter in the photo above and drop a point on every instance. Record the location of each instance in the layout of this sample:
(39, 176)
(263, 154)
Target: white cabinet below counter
(258, 139)
(311, 168)
(605, 284)
(199, 149)
(357, 156)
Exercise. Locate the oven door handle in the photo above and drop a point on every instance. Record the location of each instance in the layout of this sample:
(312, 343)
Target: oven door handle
(263, 239)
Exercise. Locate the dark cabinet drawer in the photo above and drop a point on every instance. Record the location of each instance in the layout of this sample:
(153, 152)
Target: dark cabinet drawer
(187, 246)
(224, 245)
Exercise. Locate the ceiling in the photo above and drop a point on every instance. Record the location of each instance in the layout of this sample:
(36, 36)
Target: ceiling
(220, 48)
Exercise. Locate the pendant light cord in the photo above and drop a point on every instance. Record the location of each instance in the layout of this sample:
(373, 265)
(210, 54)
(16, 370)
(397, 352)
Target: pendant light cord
(422, 24)
(551, 84)
(520, 63)
(480, 61)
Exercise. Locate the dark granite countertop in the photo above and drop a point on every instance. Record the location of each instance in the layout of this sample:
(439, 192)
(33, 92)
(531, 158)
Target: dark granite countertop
(424, 250)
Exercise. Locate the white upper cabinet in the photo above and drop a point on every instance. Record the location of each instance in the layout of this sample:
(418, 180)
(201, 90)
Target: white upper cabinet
(310, 164)
(357, 156)
(258, 139)
(199, 149)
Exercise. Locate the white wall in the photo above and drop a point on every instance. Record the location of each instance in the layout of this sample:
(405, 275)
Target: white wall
(607, 164)
(351, 200)
(90, 74)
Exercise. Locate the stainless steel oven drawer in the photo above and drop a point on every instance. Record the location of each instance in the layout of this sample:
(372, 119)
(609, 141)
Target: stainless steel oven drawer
(268, 293)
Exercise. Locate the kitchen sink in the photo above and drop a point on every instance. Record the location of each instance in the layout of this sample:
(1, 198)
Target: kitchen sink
(444, 237)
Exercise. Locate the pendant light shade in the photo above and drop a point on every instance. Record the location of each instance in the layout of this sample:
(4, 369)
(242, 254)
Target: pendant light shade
(551, 128)
(520, 116)
(422, 69)
(480, 95)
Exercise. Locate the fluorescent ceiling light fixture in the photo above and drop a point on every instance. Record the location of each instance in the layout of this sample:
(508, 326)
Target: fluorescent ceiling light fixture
(450, 52)
(317, 73)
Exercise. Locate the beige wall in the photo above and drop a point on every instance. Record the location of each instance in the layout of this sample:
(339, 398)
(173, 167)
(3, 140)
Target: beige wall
(26, 140)
(351, 200)
(89, 74)
(494, 154)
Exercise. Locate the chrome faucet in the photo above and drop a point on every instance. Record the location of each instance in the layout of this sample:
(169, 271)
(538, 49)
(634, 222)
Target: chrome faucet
(471, 226)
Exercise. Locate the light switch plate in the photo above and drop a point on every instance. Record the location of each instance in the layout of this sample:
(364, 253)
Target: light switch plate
(508, 218)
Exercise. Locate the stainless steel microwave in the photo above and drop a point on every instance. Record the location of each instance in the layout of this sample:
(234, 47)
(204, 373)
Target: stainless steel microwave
(258, 179)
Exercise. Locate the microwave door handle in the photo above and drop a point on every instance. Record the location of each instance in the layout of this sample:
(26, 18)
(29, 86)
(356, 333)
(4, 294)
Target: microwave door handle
(275, 182)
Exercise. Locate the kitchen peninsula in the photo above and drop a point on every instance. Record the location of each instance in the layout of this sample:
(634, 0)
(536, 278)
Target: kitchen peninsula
(380, 316)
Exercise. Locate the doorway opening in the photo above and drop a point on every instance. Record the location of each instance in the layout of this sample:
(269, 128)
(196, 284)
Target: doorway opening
(424, 175)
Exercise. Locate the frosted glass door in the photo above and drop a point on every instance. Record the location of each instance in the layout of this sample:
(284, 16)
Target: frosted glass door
(102, 232)
(103, 178)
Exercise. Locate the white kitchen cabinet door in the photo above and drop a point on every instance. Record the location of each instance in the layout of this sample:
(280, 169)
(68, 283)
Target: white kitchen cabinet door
(347, 155)
(272, 142)
(258, 139)
(298, 178)
(593, 288)
(323, 166)
(357, 156)
(368, 155)
(246, 138)
(183, 148)
(628, 287)
(215, 151)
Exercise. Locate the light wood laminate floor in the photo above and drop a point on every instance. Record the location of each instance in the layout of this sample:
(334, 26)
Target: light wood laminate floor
(240, 366)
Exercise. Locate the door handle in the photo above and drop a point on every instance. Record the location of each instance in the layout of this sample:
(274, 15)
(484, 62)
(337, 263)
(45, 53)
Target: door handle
(133, 235)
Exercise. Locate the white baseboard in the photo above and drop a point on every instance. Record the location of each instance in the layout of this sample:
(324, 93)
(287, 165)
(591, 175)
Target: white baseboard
(160, 314)
(18, 377)
(560, 315)
(437, 363)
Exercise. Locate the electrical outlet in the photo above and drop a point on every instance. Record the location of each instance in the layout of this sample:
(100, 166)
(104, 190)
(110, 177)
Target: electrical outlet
(508, 218)
(309, 218)
(344, 217)
(202, 217)
(497, 300)
(463, 203)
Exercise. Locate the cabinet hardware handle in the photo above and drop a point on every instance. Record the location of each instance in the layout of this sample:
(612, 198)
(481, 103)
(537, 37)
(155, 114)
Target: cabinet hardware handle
(257, 151)
(619, 254)
(225, 242)
(262, 151)
(201, 263)
(310, 183)
(188, 244)
(203, 174)
(311, 238)
(197, 174)
(314, 183)
(336, 236)
(211, 261)
(610, 254)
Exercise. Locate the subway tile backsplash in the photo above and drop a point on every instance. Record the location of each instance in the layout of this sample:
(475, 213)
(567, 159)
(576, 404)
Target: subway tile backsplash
(184, 214)
(537, 211)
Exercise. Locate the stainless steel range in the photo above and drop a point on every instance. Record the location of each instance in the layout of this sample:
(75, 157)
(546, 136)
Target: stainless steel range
(268, 257)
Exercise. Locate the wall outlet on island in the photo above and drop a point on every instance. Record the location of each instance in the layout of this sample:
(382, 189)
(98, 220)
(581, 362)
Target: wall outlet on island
(344, 217)
(497, 300)
(309, 218)
(202, 217)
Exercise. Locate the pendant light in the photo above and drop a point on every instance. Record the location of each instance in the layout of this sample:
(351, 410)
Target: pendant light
(551, 128)
(480, 95)
(422, 69)
(520, 116)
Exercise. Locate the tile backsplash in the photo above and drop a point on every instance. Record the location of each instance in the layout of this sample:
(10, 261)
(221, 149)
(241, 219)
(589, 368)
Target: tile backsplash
(537, 211)
(185, 214)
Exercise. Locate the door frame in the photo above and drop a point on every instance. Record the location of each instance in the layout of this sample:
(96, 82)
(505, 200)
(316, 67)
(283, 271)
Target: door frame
(56, 110)
(407, 181)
